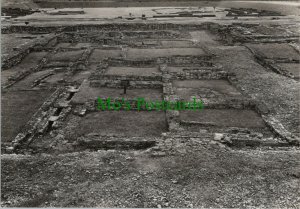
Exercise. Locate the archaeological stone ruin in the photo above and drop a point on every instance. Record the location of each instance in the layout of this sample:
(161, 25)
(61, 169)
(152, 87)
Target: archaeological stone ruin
(60, 150)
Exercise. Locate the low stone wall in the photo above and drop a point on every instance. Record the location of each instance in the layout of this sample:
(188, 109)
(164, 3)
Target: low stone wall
(156, 28)
(151, 84)
(11, 60)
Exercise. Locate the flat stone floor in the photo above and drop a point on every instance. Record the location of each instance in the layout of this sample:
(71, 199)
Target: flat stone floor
(100, 54)
(204, 37)
(88, 93)
(66, 56)
(186, 89)
(135, 71)
(124, 123)
(174, 43)
(224, 118)
(154, 53)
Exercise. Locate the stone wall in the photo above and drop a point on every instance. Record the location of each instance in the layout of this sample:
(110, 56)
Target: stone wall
(11, 60)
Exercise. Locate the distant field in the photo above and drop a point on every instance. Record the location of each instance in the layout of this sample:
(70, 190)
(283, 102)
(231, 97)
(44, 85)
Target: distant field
(285, 7)
(23, 4)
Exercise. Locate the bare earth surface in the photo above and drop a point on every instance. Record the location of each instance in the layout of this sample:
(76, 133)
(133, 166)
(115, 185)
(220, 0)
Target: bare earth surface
(205, 176)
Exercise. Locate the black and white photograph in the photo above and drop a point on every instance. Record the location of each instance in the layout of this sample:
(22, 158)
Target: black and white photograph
(150, 104)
